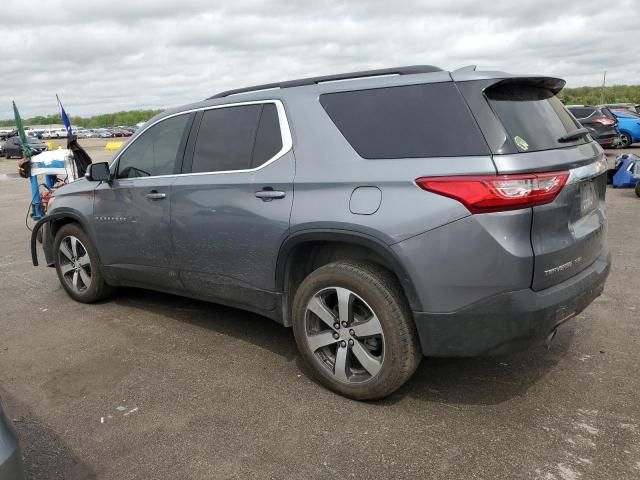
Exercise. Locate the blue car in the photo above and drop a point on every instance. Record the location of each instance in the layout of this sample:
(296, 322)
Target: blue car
(629, 126)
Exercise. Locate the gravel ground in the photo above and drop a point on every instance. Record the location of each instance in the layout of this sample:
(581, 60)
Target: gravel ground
(149, 385)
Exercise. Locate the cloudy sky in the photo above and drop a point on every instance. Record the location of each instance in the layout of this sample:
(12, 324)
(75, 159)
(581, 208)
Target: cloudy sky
(107, 56)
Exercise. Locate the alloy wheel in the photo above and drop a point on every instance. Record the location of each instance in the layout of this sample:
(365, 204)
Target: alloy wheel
(75, 264)
(625, 140)
(344, 335)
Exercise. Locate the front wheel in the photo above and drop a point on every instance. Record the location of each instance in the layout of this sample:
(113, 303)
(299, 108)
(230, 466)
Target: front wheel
(638, 188)
(355, 331)
(76, 262)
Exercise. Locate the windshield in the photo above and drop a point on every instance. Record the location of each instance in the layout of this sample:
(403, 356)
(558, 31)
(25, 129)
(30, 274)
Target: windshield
(33, 140)
(534, 118)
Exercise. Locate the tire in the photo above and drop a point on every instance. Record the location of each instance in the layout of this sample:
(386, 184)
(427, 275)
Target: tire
(388, 346)
(79, 274)
(638, 189)
(625, 140)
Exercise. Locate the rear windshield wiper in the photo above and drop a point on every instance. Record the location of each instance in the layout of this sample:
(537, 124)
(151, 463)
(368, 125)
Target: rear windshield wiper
(579, 133)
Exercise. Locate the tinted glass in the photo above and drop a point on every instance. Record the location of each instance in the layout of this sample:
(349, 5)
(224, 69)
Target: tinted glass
(225, 139)
(428, 120)
(580, 112)
(607, 113)
(533, 117)
(268, 139)
(155, 151)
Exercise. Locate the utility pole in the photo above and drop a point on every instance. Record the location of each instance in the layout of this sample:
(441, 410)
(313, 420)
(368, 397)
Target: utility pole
(604, 81)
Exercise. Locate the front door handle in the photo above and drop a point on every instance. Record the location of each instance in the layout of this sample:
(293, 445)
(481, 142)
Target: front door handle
(153, 195)
(268, 195)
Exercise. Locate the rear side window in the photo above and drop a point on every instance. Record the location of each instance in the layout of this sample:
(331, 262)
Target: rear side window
(237, 138)
(268, 138)
(533, 117)
(579, 112)
(413, 121)
(155, 151)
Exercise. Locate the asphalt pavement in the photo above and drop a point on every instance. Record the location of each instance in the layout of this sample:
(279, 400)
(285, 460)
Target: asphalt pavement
(151, 386)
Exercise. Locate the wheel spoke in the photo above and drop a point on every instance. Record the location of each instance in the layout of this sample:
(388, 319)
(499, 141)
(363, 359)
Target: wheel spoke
(320, 340)
(344, 304)
(84, 260)
(74, 281)
(370, 363)
(317, 306)
(74, 245)
(368, 328)
(340, 367)
(66, 268)
(84, 276)
(65, 251)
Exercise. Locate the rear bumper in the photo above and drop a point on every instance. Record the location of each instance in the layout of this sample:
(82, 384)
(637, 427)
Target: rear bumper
(510, 321)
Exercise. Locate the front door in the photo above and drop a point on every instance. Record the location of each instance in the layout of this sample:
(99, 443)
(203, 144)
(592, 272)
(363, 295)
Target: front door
(132, 212)
(231, 213)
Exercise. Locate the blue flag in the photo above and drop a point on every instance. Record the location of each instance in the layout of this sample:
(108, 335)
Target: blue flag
(65, 119)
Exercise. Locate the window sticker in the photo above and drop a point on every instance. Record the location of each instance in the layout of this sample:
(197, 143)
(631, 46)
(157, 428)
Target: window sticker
(521, 143)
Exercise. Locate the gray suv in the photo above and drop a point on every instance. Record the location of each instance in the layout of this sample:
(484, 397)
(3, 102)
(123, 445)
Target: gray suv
(384, 215)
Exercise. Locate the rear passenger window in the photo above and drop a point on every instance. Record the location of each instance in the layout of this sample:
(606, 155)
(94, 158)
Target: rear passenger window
(237, 138)
(427, 120)
(155, 151)
(581, 112)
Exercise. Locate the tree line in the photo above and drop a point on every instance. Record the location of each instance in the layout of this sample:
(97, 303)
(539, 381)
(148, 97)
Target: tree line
(598, 95)
(128, 118)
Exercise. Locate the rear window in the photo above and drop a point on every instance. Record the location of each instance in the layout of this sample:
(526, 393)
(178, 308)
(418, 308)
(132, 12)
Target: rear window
(413, 121)
(533, 117)
(580, 112)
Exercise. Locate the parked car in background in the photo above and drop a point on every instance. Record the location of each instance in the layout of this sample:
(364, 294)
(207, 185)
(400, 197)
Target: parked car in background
(102, 133)
(600, 122)
(10, 453)
(13, 147)
(632, 107)
(403, 238)
(120, 132)
(629, 127)
(55, 133)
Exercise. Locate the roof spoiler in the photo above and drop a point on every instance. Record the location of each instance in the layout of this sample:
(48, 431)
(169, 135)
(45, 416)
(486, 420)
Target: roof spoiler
(552, 84)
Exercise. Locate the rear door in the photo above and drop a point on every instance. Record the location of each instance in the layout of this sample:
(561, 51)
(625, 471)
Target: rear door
(231, 208)
(525, 122)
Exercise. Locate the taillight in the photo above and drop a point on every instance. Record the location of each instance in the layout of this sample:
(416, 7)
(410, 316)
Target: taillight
(604, 121)
(490, 193)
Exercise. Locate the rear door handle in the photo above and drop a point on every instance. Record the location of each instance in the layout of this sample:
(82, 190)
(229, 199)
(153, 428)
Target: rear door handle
(268, 195)
(153, 195)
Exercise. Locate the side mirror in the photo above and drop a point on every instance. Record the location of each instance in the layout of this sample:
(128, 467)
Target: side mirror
(98, 172)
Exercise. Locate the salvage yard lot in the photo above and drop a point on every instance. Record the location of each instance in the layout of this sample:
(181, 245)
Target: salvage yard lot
(153, 386)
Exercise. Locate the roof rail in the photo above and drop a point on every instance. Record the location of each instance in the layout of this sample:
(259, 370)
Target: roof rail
(412, 69)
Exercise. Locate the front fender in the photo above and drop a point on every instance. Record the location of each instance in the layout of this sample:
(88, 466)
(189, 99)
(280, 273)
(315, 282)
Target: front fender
(58, 214)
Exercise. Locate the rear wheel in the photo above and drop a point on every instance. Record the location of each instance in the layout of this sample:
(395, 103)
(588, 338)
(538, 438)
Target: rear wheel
(625, 140)
(354, 330)
(638, 189)
(76, 262)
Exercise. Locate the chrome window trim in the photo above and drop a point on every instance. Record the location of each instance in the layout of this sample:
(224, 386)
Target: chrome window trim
(285, 133)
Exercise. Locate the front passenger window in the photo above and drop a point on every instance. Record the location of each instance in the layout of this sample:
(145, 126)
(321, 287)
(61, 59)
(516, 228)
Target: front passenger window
(155, 151)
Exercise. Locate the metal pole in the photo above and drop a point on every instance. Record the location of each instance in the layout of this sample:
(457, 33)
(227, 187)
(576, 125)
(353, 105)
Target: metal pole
(604, 81)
